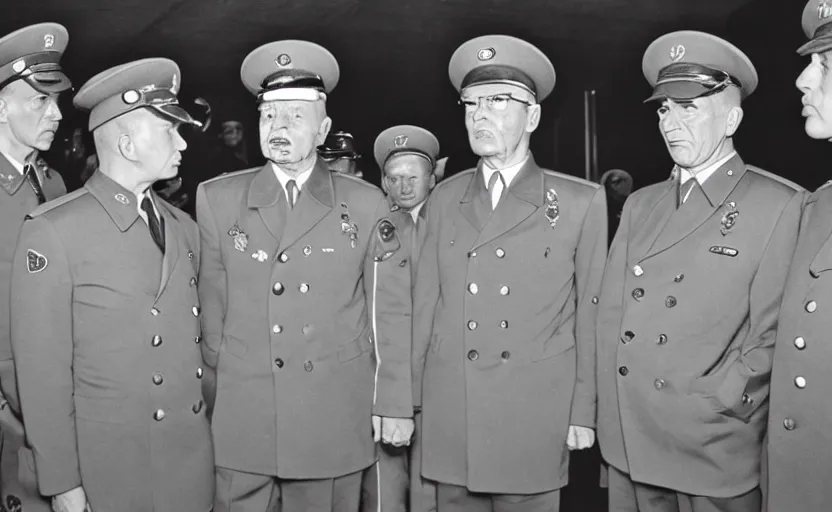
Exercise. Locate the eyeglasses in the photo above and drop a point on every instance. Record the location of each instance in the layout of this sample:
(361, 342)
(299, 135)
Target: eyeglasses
(495, 103)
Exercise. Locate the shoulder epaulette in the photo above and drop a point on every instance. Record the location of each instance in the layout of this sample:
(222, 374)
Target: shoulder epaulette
(794, 186)
(227, 175)
(60, 201)
(574, 179)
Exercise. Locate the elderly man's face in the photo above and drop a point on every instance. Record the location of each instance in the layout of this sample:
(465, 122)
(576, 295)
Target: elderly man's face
(158, 144)
(498, 118)
(32, 116)
(694, 130)
(408, 179)
(816, 85)
(290, 131)
(232, 133)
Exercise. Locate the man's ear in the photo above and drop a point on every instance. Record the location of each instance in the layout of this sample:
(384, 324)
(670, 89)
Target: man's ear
(733, 121)
(533, 117)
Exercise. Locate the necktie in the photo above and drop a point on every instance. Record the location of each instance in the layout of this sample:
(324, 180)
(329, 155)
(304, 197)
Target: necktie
(32, 177)
(292, 192)
(156, 228)
(496, 185)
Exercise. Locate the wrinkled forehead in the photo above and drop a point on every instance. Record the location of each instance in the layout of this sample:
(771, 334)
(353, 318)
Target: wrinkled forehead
(479, 90)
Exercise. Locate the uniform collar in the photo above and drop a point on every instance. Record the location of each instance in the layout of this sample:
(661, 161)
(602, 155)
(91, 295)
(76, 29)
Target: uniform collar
(10, 176)
(722, 179)
(706, 173)
(117, 201)
(508, 173)
(265, 186)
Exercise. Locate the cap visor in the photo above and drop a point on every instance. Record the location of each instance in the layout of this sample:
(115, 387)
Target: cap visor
(677, 91)
(49, 82)
(818, 45)
(176, 113)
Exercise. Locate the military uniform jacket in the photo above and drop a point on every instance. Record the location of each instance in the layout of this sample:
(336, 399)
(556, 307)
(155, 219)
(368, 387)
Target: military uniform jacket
(504, 328)
(307, 321)
(105, 334)
(686, 326)
(800, 413)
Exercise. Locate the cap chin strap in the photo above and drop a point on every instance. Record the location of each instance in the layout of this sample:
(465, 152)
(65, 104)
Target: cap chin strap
(292, 94)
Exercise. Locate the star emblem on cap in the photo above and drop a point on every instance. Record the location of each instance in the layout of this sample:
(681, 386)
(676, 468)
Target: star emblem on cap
(824, 9)
(677, 52)
(283, 60)
(400, 141)
(48, 41)
(486, 54)
(130, 96)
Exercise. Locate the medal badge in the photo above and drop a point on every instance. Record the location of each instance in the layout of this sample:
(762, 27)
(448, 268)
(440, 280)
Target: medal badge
(552, 211)
(347, 227)
(239, 236)
(260, 256)
(729, 219)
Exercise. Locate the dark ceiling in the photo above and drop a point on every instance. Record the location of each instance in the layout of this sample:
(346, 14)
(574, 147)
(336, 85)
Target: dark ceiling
(393, 56)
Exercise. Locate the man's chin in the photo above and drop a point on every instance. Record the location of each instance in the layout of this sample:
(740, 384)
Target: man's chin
(817, 129)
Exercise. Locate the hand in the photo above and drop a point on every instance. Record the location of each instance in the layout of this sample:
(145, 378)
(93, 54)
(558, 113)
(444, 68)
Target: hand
(394, 431)
(580, 438)
(71, 501)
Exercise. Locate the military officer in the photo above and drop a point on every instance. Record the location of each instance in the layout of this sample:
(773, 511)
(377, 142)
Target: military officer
(110, 383)
(688, 308)
(30, 82)
(338, 151)
(307, 305)
(504, 317)
(800, 417)
(408, 158)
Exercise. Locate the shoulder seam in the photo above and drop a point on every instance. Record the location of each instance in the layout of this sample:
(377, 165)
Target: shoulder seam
(231, 175)
(575, 179)
(57, 202)
(775, 177)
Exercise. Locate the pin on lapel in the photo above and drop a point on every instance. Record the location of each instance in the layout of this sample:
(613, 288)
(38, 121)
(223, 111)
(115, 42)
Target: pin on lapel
(239, 236)
(552, 211)
(260, 255)
(121, 198)
(347, 227)
(729, 219)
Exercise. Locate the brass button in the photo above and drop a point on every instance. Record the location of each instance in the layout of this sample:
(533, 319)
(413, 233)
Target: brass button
(670, 301)
(308, 366)
(303, 287)
(662, 339)
(500, 252)
(193, 281)
(628, 336)
(800, 343)
(283, 257)
(157, 340)
(197, 339)
(159, 415)
(473, 289)
(197, 407)
(638, 293)
(190, 255)
(195, 310)
(678, 278)
(277, 329)
(638, 271)
(789, 424)
(506, 354)
(800, 382)
(472, 254)
(504, 324)
(811, 306)
(472, 325)
(278, 362)
(157, 379)
(659, 383)
(746, 399)
(154, 312)
(504, 290)
(473, 355)
(595, 300)
(199, 373)
(623, 371)
(277, 289)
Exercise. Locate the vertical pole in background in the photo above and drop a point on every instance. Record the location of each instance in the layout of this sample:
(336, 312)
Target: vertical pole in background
(590, 137)
(593, 104)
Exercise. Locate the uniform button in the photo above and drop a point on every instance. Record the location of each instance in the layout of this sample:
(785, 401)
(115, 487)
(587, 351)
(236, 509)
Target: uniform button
(595, 300)
(308, 366)
(662, 339)
(472, 254)
(283, 257)
(472, 325)
(504, 290)
(638, 293)
(500, 252)
(197, 339)
(789, 424)
(800, 343)
(670, 301)
(197, 407)
(628, 336)
(678, 278)
(303, 287)
(473, 355)
(195, 310)
(277, 329)
(199, 373)
(659, 383)
(746, 399)
(638, 271)
(157, 340)
(811, 306)
(504, 324)
(473, 289)
(623, 371)
(278, 362)
(277, 289)
(159, 415)
(190, 255)
(157, 379)
(154, 312)
(193, 281)
(800, 382)
(506, 354)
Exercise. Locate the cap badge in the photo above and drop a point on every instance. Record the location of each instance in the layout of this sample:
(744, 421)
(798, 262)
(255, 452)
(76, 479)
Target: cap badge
(486, 54)
(824, 9)
(677, 52)
(48, 41)
(130, 97)
(400, 141)
(121, 198)
(283, 60)
(19, 66)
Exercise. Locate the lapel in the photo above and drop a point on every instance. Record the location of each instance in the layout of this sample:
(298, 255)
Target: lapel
(172, 236)
(265, 194)
(314, 203)
(818, 231)
(523, 198)
(10, 178)
(699, 207)
(473, 205)
(117, 201)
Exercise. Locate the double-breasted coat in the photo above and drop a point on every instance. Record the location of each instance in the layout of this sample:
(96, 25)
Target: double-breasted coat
(307, 321)
(800, 414)
(105, 338)
(16, 201)
(504, 328)
(686, 326)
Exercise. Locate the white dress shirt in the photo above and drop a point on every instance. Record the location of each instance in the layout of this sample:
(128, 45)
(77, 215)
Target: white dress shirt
(508, 174)
(704, 174)
(284, 178)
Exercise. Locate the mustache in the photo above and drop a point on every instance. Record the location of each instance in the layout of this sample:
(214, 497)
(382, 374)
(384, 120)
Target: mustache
(280, 141)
